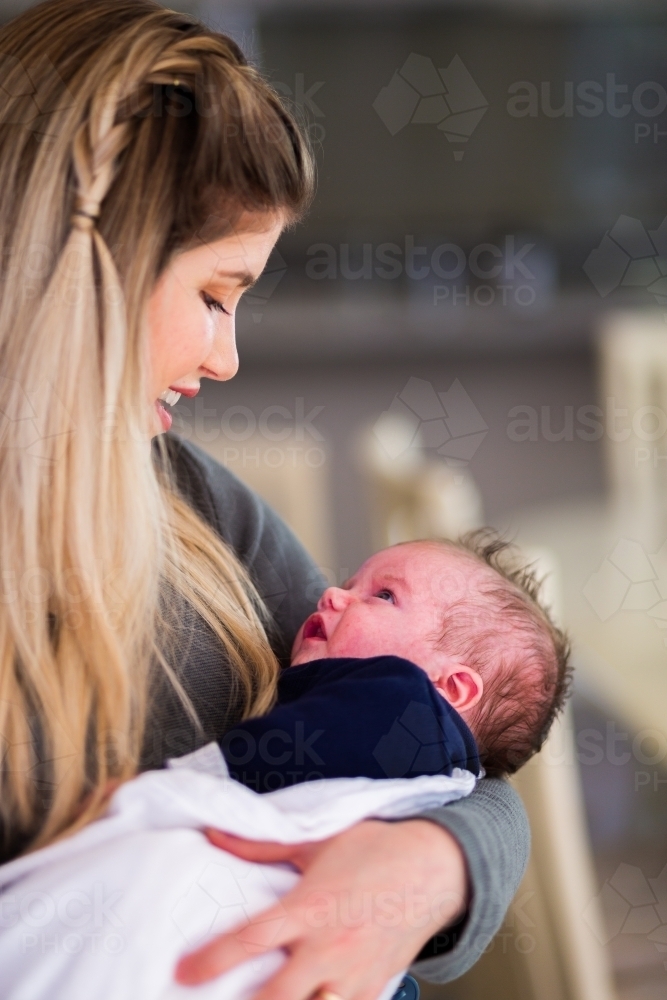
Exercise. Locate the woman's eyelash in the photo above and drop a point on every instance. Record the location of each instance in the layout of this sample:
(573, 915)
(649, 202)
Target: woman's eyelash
(214, 304)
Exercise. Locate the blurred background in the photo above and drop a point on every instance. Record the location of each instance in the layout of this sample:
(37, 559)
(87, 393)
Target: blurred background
(470, 327)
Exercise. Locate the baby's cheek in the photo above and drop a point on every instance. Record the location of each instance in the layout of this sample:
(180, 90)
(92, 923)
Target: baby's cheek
(361, 639)
(346, 640)
(297, 642)
(307, 656)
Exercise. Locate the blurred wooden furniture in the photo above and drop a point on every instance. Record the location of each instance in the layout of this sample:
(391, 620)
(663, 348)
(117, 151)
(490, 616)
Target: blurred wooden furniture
(613, 553)
(633, 369)
(412, 495)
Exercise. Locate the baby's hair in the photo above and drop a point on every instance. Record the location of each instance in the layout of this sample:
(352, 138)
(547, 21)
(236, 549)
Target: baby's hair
(526, 687)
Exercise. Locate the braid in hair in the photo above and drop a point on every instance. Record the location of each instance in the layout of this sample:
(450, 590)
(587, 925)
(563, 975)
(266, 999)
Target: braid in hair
(109, 187)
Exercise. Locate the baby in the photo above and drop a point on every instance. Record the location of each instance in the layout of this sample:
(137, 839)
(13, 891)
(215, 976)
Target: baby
(434, 655)
(432, 661)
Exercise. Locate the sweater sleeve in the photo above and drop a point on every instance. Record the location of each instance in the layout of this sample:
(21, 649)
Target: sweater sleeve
(492, 829)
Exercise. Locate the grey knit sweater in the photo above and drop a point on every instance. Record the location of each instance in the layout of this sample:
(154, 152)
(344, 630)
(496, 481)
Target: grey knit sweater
(490, 825)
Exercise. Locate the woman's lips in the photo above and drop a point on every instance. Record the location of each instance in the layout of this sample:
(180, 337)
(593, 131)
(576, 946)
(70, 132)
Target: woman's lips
(163, 414)
(169, 398)
(314, 628)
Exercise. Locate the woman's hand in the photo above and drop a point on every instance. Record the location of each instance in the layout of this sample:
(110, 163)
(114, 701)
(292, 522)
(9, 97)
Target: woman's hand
(368, 901)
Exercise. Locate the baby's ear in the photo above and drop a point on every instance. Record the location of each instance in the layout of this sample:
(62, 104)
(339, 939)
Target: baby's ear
(458, 684)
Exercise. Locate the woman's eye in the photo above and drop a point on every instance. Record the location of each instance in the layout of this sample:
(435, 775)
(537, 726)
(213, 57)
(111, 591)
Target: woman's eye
(385, 595)
(213, 304)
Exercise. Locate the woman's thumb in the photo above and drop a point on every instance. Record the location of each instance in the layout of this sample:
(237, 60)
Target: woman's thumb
(262, 851)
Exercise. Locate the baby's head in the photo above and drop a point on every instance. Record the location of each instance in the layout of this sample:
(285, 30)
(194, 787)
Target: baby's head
(467, 613)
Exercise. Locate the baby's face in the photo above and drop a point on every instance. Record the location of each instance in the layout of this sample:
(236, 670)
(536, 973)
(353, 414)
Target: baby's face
(393, 605)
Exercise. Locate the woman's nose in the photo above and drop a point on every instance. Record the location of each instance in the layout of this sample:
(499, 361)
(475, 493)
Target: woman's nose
(223, 361)
(334, 599)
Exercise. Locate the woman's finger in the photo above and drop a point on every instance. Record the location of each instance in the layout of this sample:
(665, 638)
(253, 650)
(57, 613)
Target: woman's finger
(307, 971)
(273, 928)
(300, 978)
(264, 851)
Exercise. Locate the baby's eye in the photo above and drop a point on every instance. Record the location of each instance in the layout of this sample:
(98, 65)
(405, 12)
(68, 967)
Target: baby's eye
(385, 595)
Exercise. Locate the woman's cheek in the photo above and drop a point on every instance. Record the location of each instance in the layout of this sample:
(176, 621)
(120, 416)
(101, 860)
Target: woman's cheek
(195, 344)
(203, 337)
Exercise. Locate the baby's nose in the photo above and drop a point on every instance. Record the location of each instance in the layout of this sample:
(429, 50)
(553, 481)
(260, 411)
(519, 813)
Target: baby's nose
(334, 599)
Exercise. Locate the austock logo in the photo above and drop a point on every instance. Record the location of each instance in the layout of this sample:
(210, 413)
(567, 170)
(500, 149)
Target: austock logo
(630, 256)
(420, 94)
(632, 904)
(34, 96)
(224, 896)
(630, 579)
(447, 422)
(21, 420)
(257, 298)
(414, 742)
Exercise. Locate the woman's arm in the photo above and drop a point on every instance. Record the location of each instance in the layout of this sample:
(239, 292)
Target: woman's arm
(490, 826)
(492, 829)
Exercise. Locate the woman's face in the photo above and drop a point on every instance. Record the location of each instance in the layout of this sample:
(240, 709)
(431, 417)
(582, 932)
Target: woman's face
(191, 311)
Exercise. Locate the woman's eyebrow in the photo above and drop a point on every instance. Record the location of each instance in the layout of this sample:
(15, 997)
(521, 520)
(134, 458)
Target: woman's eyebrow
(244, 278)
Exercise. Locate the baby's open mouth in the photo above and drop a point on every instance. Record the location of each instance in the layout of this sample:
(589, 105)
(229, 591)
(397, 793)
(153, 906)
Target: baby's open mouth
(314, 628)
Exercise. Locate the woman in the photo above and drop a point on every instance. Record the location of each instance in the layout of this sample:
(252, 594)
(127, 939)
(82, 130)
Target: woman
(146, 172)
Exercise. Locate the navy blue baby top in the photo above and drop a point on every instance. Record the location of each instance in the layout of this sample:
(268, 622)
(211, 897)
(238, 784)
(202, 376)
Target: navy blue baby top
(346, 718)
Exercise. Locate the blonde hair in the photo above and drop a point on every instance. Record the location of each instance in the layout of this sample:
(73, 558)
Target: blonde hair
(140, 133)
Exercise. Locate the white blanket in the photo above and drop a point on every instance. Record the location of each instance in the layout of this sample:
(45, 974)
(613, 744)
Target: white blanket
(105, 914)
